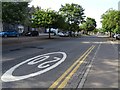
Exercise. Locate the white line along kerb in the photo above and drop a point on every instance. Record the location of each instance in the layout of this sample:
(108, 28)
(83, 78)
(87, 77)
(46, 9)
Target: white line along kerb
(8, 77)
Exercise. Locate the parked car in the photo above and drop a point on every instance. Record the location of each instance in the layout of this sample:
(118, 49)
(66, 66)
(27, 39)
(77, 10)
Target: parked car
(63, 34)
(32, 33)
(9, 33)
(117, 36)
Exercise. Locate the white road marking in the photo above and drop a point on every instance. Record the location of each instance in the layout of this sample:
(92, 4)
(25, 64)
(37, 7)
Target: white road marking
(38, 60)
(8, 77)
(88, 69)
(43, 65)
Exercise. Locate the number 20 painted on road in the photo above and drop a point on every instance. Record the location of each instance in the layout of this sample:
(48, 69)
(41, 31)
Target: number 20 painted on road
(45, 66)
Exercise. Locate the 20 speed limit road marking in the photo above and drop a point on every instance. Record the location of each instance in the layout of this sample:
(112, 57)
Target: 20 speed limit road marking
(62, 81)
(44, 64)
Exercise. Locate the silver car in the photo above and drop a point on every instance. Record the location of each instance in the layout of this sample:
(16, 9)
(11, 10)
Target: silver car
(63, 34)
(117, 36)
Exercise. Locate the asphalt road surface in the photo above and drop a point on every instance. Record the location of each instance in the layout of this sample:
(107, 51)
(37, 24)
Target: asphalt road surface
(60, 63)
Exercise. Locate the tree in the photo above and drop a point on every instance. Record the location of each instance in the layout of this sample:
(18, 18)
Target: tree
(73, 14)
(111, 21)
(14, 12)
(83, 26)
(45, 18)
(96, 30)
(27, 21)
(88, 25)
(91, 24)
(59, 21)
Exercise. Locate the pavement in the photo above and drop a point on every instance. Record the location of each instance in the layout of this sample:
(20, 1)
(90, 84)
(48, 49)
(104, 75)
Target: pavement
(98, 70)
(24, 39)
(104, 70)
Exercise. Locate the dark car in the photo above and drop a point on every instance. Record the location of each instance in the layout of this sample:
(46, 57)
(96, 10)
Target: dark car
(9, 33)
(32, 33)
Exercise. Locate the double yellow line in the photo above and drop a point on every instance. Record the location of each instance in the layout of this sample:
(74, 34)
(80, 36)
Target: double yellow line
(62, 81)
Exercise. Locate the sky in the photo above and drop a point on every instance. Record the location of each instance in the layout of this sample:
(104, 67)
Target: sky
(93, 8)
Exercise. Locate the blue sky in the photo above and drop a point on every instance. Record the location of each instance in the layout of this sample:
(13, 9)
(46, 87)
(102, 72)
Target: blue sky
(93, 8)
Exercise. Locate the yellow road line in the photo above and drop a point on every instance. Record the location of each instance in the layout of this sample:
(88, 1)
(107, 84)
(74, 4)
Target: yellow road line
(64, 83)
(54, 85)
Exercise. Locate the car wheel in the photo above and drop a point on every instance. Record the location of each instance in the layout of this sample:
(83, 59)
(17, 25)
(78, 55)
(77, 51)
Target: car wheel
(17, 35)
(5, 35)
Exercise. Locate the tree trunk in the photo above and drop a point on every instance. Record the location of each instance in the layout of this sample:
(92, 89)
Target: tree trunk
(49, 34)
(110, 34)
(28, 28)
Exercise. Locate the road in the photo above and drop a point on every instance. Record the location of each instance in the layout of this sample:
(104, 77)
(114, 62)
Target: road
(84, 62)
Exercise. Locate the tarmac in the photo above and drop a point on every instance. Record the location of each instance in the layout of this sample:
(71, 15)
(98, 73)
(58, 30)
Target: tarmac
(102, 72)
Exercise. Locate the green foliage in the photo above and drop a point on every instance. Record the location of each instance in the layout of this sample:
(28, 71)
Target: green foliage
(44, 18)
(95, 30)
(14, 12)
(59, 21)
(102, 30)
(30, 11)
(73, 14)
(89, 24)
(68, 18)
(111, 21)
(47, 18)
(83, 26)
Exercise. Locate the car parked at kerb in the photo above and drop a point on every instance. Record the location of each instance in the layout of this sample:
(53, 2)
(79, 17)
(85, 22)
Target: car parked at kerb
(63, 34)
(32, 33)
(9, 33)
(116, 36)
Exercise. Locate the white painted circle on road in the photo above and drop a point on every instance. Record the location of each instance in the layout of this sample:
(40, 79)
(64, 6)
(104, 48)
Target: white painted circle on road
(40, 59)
